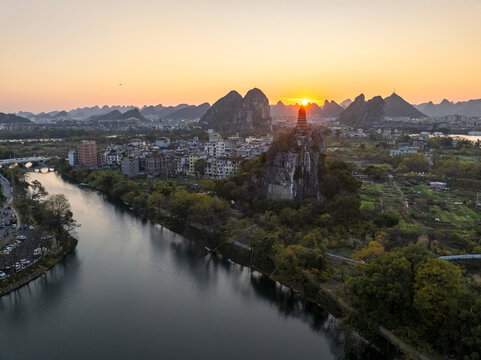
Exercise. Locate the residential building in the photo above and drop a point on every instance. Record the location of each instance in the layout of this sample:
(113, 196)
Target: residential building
(73, 157)
(130, 166)
(87, 153)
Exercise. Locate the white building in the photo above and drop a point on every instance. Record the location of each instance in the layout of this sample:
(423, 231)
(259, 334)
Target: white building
(214, 149)
(73, 157)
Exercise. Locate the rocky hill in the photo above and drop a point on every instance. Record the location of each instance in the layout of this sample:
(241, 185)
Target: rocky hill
(160, 111)
(345, 103)
(13, 119)
(396, 106)
(253, 113)
(331, 109)
(132, 114)
(117, 115)
(190, 112)
(233, 113)
(364, 113)
(293, 166)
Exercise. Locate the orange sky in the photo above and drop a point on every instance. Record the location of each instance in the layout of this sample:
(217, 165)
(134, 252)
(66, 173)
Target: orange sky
(62, 54)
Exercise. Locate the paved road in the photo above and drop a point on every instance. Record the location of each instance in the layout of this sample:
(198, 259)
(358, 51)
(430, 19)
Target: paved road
(6, 211)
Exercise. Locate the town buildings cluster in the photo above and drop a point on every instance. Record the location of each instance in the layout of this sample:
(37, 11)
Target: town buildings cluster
(217, 157)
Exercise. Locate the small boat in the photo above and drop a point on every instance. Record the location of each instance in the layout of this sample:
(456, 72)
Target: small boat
(229, 260)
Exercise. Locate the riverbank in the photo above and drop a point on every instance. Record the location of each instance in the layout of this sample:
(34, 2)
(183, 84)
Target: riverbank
(320, 297)
(34, 271)
(37, 266)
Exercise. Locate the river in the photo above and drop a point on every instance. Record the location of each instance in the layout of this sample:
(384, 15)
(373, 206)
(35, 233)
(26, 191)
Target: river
(135, 290)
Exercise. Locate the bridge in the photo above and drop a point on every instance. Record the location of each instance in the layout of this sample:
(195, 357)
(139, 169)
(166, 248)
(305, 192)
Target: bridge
(23, 161)
(460, 257)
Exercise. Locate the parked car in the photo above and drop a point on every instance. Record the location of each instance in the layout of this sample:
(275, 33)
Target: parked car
(40, 251)
(24, 262)
(2, 275)
(14, 226)
(31, 227)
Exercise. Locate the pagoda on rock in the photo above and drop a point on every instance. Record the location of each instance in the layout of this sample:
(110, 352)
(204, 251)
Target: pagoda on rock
(301, 119)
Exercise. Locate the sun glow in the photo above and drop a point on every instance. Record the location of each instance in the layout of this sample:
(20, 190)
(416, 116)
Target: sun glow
(304, 102)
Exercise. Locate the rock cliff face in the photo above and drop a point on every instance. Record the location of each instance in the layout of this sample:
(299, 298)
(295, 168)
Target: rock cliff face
(234, 113)
(254, 112)
(294, 165)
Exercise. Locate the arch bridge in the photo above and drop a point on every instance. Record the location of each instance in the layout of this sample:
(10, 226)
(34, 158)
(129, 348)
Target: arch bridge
(40, 160)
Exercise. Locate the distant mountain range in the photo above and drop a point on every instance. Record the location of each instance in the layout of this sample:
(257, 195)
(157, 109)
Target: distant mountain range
(190, 112)
(330, 109)
(348, 111)
(117, 115)
(179, 112)
(362, 112)
(446, 107)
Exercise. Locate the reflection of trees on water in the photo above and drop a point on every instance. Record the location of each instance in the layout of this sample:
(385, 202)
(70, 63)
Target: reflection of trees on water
(48, 289)
(204, 269)
(344, 343)
(208, 274)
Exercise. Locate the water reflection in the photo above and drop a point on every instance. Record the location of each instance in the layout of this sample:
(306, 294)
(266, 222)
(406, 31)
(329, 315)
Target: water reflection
(137, 290)
(344, 344)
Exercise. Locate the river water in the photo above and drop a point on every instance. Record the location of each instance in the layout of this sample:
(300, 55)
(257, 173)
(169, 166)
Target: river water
(134, 290)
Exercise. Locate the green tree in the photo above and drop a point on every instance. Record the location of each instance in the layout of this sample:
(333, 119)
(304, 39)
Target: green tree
(199, 168)
(439, 287)
(383, 289)
(59, 216)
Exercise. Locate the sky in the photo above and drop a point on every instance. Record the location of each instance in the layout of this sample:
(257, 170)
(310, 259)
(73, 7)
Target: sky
(64, 54)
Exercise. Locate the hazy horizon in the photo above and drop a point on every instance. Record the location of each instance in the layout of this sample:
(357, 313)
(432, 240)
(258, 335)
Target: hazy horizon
(284, 100)
(59, 54)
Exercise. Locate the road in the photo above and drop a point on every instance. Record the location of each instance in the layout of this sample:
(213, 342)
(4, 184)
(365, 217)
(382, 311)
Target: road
(6, 211)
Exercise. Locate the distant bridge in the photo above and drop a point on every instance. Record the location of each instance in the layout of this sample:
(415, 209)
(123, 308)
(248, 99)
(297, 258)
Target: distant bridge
(23, 161)
(460, 257)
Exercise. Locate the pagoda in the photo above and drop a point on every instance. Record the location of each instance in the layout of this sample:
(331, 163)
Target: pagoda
(301, 119)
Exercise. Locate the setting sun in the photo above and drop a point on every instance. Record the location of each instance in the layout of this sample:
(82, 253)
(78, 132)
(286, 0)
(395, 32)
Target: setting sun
(304, 102)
